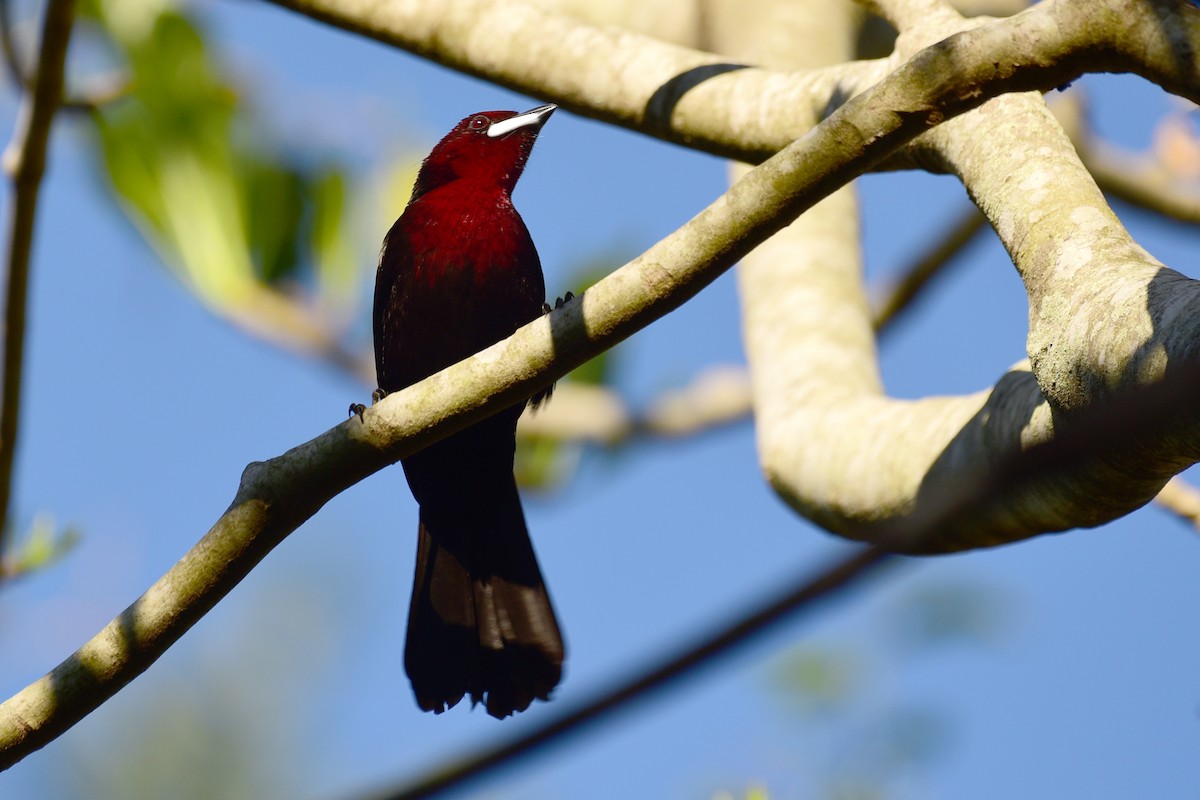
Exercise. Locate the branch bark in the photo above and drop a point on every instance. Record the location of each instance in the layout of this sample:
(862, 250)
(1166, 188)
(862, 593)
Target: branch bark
(1104, 316)
(702, 101)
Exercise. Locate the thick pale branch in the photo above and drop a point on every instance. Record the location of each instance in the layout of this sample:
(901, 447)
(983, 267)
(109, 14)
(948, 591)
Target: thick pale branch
(1103, 313)
(676, 93)
(1104, 316)
(700, 100)
(1143, 179)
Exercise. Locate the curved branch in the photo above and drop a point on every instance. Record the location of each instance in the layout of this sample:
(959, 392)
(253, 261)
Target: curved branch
(699, 100)
(676, 93)
(1104, 316)
(25, 162)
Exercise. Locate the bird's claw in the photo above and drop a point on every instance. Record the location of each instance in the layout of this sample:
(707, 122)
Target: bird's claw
(558, 303)
(540, 399)
(359, 409)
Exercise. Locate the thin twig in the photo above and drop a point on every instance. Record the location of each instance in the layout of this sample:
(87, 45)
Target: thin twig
(102, 89)
(1140, 181)
(585, 413)
(917, 277)
(1181, 499)
(25, 163)
(1137, 178)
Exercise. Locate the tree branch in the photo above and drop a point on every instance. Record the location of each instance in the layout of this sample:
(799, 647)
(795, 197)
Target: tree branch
(702, 101)
(716, 396)
(25, 163)
(867, 460)
(721, 395)
(1181, 499)
(1140, 181)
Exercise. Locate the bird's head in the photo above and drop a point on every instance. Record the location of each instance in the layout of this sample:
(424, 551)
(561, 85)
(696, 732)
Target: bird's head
(489, 147)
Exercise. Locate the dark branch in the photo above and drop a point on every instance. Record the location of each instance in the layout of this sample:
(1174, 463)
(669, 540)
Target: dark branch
(805, 596)
(25, 162)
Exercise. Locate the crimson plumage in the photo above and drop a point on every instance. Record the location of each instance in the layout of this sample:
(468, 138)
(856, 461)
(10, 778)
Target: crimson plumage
(458, 272)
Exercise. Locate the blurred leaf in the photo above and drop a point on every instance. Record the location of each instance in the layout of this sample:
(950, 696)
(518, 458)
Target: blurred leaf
(274, 211)
(168, 151)
(242, 224)
(42, 545)
(753, 793)
(916, 735)
(948, 612)
(395, 188)
(819, 679)
(335, 258)
(542, 464)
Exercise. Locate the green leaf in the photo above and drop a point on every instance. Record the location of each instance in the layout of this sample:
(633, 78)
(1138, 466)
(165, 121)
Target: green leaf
(820, 679)
(168, 151)
(42, 545)
(333, 255)
(943, 613)
(274, 217)
(228, 210)
(544, 464)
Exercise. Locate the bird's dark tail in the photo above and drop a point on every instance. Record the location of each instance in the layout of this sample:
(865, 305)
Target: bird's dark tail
(480, 623)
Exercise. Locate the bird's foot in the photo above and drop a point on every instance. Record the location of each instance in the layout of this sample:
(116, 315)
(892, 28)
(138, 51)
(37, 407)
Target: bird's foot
(558, 303)
(359, 409)
(543, 396)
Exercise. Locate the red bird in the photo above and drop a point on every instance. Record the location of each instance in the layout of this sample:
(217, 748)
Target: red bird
(459, 272)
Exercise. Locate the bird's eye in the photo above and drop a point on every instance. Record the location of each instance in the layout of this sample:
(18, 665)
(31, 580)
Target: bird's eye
(478, 123)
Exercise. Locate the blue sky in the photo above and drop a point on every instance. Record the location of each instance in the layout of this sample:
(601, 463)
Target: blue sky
(142, 409)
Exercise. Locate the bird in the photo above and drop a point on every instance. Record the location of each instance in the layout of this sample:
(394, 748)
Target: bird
(458, 271)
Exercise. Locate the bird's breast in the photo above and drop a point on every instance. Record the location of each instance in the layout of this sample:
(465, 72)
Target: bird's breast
(459, 277)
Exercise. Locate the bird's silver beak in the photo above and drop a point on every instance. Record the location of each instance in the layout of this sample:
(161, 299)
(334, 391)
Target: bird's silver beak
(534, 118)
